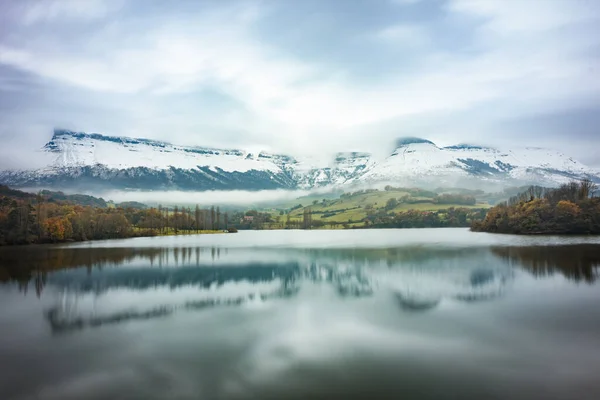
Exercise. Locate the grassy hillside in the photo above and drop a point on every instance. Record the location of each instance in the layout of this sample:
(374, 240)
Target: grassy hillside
(353, 207)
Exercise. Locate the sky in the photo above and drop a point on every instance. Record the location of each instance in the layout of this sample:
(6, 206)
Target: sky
(308, 77)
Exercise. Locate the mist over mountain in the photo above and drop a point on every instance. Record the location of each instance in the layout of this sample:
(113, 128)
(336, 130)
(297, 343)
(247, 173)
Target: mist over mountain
(91, 161)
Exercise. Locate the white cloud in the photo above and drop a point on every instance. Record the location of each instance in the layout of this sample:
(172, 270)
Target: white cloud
(405, 34)
(526, 15)
(294, 102)
(404, 2)
(47, 10)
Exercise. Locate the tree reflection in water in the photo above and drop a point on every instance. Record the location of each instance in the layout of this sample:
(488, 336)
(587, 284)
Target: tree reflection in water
(419, 278)
(578, 263)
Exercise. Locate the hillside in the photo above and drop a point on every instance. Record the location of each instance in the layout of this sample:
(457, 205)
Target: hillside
(55, 197)
(371, 206)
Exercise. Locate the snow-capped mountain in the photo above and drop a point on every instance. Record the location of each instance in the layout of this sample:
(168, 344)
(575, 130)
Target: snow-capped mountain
(421, 160)
(86, 161)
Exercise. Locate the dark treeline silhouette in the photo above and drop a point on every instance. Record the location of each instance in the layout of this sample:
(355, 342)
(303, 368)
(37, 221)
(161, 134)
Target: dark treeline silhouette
(33, 219)
(569, 209)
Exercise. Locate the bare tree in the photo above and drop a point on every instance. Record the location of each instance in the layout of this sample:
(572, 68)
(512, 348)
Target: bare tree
(167, 218)
(160, 217)
(189, 219)
(175, 219)
(40, 214)
(307, 218)
(586, 188)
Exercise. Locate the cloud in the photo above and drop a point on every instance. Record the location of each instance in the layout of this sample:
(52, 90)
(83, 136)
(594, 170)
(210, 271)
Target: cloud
(204, 75)
(528, 15)
(34, 12)
(405, 2)
(405, 34)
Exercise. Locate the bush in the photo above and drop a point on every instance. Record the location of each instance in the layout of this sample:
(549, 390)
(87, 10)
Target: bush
(391, 204)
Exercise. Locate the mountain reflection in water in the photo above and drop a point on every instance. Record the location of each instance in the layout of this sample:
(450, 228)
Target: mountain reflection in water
(423, 314)
(419, 278)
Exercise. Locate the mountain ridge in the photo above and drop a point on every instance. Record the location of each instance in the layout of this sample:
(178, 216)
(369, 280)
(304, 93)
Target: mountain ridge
(95, 160)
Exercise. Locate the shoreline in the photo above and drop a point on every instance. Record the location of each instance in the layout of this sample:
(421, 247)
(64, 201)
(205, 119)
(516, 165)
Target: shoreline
(163, 234)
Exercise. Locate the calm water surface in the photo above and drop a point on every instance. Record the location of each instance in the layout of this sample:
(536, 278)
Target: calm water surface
(420, 314)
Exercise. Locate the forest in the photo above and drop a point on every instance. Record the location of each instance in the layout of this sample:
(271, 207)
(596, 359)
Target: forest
(568, 209)
(52, 217)
(26, 218)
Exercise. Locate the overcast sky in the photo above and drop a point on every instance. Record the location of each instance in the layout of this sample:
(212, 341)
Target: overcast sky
(302, 76)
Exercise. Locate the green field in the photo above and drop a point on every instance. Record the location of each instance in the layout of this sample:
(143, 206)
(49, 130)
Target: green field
(353, 208)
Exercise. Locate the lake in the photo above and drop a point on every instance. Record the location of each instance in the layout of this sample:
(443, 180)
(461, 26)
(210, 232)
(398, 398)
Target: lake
(419, 314)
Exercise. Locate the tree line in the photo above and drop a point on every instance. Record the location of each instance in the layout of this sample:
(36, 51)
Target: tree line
(568, 209)
(32, 219)
(453, 217)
